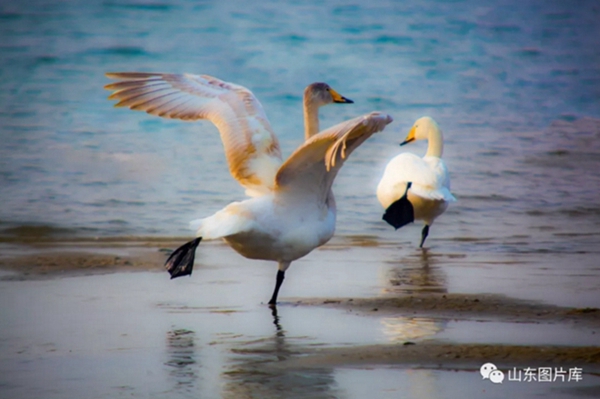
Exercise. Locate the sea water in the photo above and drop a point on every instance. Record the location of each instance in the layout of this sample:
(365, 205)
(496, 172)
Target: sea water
(514, 85)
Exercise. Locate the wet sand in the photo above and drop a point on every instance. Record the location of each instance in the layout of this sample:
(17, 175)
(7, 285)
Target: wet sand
(78, 311)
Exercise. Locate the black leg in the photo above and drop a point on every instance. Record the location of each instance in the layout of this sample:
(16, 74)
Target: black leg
(424, 234)
(401, 212)
(181, 261)
(278, 282)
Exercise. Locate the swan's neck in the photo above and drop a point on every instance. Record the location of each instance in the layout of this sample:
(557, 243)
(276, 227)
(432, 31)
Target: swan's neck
(311, 119)
(330, 201)
(435, 146)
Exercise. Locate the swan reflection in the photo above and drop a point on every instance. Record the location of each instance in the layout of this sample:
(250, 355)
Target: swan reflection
(258, 370)
(182, 359)
(403, 329)
(416, 274)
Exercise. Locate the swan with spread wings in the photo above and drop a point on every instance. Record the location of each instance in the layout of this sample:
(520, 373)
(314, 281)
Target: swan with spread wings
(291, 209)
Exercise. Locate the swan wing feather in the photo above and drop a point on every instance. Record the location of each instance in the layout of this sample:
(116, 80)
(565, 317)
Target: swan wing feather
(251, 148)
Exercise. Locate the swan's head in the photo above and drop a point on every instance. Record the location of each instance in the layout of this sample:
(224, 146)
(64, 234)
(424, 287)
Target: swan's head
(320, 94)
(421, 130)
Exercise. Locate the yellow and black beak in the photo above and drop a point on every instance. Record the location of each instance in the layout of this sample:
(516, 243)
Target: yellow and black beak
(338, 98)
(410, 137)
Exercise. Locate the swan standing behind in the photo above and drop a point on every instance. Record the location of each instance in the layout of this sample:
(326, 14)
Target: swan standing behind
(292, 210)
(416, 188)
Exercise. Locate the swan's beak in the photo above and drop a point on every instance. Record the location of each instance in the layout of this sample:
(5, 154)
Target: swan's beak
(410, 137)
(338, 98)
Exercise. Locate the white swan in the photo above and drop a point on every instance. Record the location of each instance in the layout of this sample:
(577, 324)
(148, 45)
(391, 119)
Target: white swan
(292, 209)
(416, 188)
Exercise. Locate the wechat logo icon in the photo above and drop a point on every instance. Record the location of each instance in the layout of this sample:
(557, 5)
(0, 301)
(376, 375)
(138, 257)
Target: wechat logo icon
(491, 372)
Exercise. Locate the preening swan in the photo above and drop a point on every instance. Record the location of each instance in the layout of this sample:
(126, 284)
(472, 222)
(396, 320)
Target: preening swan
(292, 208)
(416, 188)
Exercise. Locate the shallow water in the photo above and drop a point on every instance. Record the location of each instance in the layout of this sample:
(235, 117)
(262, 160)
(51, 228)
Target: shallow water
(446, 384)
(141, 335)
(514, 85)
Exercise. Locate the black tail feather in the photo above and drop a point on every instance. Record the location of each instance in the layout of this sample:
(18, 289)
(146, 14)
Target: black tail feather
(401, 212)
(181, 261)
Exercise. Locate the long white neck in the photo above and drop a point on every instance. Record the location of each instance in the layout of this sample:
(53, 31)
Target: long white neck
(330, 201)
(435, 145)
(311, 119)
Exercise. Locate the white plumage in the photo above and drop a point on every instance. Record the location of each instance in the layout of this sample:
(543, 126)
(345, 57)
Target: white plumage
(428, 194)
(292, 209)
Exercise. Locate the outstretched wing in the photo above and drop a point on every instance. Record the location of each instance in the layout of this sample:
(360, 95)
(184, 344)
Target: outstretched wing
(312, 168)
(251, 148)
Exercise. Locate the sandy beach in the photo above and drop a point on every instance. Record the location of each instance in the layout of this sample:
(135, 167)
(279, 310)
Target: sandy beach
(100, 318)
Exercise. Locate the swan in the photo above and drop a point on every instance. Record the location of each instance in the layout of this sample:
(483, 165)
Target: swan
(413, 187)
(291, 209)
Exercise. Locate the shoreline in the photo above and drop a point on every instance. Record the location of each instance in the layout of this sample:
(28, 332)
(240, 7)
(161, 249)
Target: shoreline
(480, 307)
(448, 356)
(77, 308)
(56, 260)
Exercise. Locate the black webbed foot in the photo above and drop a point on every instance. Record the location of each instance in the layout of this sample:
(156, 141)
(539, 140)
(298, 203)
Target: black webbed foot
(181, 261)
(401, 212)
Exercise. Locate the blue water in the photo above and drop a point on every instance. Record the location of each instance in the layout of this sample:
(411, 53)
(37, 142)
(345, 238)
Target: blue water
(514, 85)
